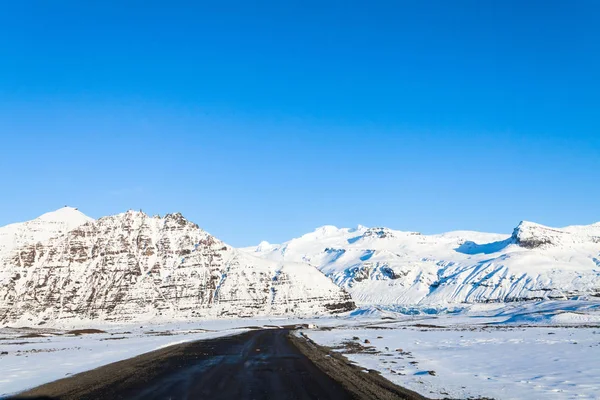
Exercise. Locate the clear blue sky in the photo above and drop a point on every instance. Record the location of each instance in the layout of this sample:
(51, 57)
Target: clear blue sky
(266, 120)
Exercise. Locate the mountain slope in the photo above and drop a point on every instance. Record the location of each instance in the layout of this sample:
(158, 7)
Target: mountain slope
(383, 266)
(134, 267)
(42, 228)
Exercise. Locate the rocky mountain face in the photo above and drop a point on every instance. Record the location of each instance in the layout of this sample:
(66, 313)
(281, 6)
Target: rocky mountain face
(134, 267)
(531, 236)
(384, 266)
(129, 267)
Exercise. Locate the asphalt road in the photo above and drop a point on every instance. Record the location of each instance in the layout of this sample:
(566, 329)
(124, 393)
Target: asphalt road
(266, 366)
(262, 364)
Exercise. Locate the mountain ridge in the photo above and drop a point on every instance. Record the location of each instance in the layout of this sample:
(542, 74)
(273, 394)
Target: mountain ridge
(130, 267)
(41, 228)
(384, 266)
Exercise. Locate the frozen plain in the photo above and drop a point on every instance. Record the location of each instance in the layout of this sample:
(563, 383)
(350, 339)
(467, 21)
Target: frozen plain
(30, 357)
(544, 349)
(525, 351)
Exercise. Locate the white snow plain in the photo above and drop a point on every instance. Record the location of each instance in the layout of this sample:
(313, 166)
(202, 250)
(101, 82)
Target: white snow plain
(548, 350)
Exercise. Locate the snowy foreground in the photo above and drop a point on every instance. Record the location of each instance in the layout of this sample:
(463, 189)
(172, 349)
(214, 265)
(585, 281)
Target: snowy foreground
(31, 361)
(521, 350)
(533, 351)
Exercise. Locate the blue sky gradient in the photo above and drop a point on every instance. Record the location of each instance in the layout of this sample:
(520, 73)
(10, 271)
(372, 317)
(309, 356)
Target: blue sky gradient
(266, 120)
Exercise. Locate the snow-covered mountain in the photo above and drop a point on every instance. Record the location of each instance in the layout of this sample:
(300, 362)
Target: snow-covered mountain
(40, 229)
(384, 266)
(130, 266)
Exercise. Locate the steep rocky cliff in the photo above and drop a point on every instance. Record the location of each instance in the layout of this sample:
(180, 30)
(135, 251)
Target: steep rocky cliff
(135, 267)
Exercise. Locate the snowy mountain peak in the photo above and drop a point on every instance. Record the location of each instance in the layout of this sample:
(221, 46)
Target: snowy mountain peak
(384, 266)
(42, 228)
(359, 228)
(380, 233)
(531, 235)
(264, 246)
(137, 219)
(131, 266)
(528, 224)
(323, 231)
(68, 215)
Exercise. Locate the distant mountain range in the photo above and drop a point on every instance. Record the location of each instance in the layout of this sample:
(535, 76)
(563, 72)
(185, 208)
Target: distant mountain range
(66, 266)
(128, 267)
(384, 266)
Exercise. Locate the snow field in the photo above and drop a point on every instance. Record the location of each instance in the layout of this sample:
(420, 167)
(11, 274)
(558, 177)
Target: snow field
(542, 350)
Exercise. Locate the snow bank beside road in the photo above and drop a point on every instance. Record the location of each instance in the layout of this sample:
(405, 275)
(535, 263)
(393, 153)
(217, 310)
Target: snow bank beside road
(36, 356)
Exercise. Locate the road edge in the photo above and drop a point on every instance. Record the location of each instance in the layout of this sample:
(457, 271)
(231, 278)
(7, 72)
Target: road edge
(362, 385)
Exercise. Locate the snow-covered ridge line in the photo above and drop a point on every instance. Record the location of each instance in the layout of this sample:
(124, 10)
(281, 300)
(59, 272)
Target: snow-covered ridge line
(532, 235)
(40, 229)
(385, 266)
(131, 267)
(530, 350)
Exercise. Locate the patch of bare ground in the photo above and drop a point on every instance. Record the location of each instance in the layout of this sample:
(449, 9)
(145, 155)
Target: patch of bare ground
(352, 347)
(295, 326)
(427, 326)
(35, 351)
(326, 328)
(32, 335)
(78, 332)
(159, 333)
(16, 343)
(256, 327)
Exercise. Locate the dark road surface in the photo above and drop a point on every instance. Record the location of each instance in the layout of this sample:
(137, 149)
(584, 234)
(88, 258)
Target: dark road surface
(263, 364)
(264, 367)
